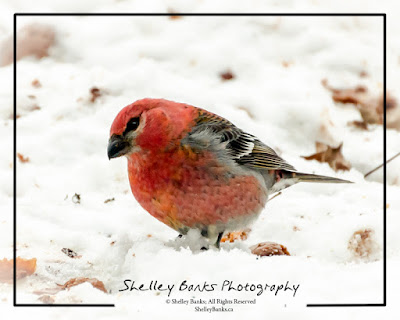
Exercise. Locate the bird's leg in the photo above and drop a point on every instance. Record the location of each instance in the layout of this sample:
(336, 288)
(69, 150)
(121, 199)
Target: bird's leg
(217, 243)
(204, 233)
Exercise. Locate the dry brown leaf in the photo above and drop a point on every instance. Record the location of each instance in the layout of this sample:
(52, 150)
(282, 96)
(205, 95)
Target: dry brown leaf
(25, 267)
(269, 249)
(76, 281)
(392, 112)
(32, 40)
(227, 75)
(36, 83)
(238, 235)
(362, 244)
(358, 124)
(349, 95)
(22, 158)
(370, 107)
(95, 93)
(353, 95)
(333, 156)
(35, 107)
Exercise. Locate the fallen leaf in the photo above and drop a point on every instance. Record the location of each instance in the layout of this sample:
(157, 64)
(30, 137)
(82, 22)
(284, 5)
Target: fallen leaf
(352, 95)
(370, 106)
(269, 249)
(348, 95)
(36, 83)
(22, 158)
(25, 267)
(32, 40)
(392, 112)
(96, 93)
(76, 281)
(363, 245)
(358, 124)
(227, 75)
(391, 102)
(333, 156)
(238, 235)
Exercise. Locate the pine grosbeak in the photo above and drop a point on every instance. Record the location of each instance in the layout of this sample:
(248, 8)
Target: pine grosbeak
(190, 168)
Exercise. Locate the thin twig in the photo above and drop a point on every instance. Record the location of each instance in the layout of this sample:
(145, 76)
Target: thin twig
(380, 166)
(275, 196)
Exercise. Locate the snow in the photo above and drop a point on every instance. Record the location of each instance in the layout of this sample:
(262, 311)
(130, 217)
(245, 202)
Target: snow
(129, 58)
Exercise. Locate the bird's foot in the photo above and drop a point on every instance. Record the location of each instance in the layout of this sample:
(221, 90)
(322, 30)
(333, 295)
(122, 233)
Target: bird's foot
(218, 242)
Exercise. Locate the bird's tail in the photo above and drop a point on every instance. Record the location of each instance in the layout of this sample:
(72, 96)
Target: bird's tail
(308, 177)
(284, 179)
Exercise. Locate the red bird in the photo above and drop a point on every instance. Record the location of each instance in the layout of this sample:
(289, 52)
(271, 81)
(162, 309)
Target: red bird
(190, 168)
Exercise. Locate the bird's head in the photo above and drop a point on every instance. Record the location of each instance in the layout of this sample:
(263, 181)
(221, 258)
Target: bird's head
(149, 125)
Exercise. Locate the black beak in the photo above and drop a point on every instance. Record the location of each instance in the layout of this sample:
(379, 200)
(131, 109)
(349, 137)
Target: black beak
(117, 146)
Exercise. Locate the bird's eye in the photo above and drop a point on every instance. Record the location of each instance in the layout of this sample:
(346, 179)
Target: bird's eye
(132, 124)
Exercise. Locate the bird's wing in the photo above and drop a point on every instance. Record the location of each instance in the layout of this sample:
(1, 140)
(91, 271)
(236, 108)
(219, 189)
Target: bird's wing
(243, 147)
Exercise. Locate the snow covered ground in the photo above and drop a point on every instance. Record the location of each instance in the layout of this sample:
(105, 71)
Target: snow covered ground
(278, 64)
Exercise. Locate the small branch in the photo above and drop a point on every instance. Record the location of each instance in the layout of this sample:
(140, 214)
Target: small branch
(380, 166)
(275, 195)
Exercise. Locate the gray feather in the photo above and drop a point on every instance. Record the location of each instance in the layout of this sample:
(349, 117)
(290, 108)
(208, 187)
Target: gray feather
(244, 148)
(307, 177)
(246, 153)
